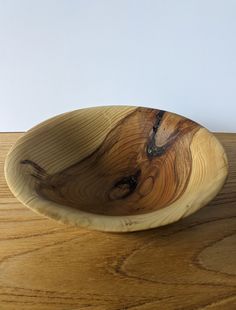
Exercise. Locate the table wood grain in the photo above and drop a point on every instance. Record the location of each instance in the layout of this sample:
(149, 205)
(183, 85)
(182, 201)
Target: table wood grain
(188, 265)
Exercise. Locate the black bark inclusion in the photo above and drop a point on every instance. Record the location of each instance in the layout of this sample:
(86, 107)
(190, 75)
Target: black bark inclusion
(152, 149)
(127, 185)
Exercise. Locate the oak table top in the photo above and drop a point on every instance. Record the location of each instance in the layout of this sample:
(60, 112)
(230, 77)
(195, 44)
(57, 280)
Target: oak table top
(187, 265)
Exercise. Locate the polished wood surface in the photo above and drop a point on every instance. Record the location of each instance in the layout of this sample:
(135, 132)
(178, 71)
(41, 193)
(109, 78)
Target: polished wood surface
(188, 265)
(117, 168)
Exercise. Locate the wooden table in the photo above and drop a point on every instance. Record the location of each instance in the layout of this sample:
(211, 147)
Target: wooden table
(187, 265)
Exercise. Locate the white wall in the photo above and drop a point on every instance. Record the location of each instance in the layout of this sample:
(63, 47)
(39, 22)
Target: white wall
(60, 55)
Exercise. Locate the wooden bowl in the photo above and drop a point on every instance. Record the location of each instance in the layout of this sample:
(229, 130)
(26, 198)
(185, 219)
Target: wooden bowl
(116, 168)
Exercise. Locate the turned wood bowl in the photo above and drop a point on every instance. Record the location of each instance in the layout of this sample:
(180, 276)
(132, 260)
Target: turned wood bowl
(116, 168)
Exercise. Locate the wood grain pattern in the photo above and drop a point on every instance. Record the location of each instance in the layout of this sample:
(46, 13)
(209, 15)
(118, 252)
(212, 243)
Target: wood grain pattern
(188, 265)
(127, 174)
(150, 168)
